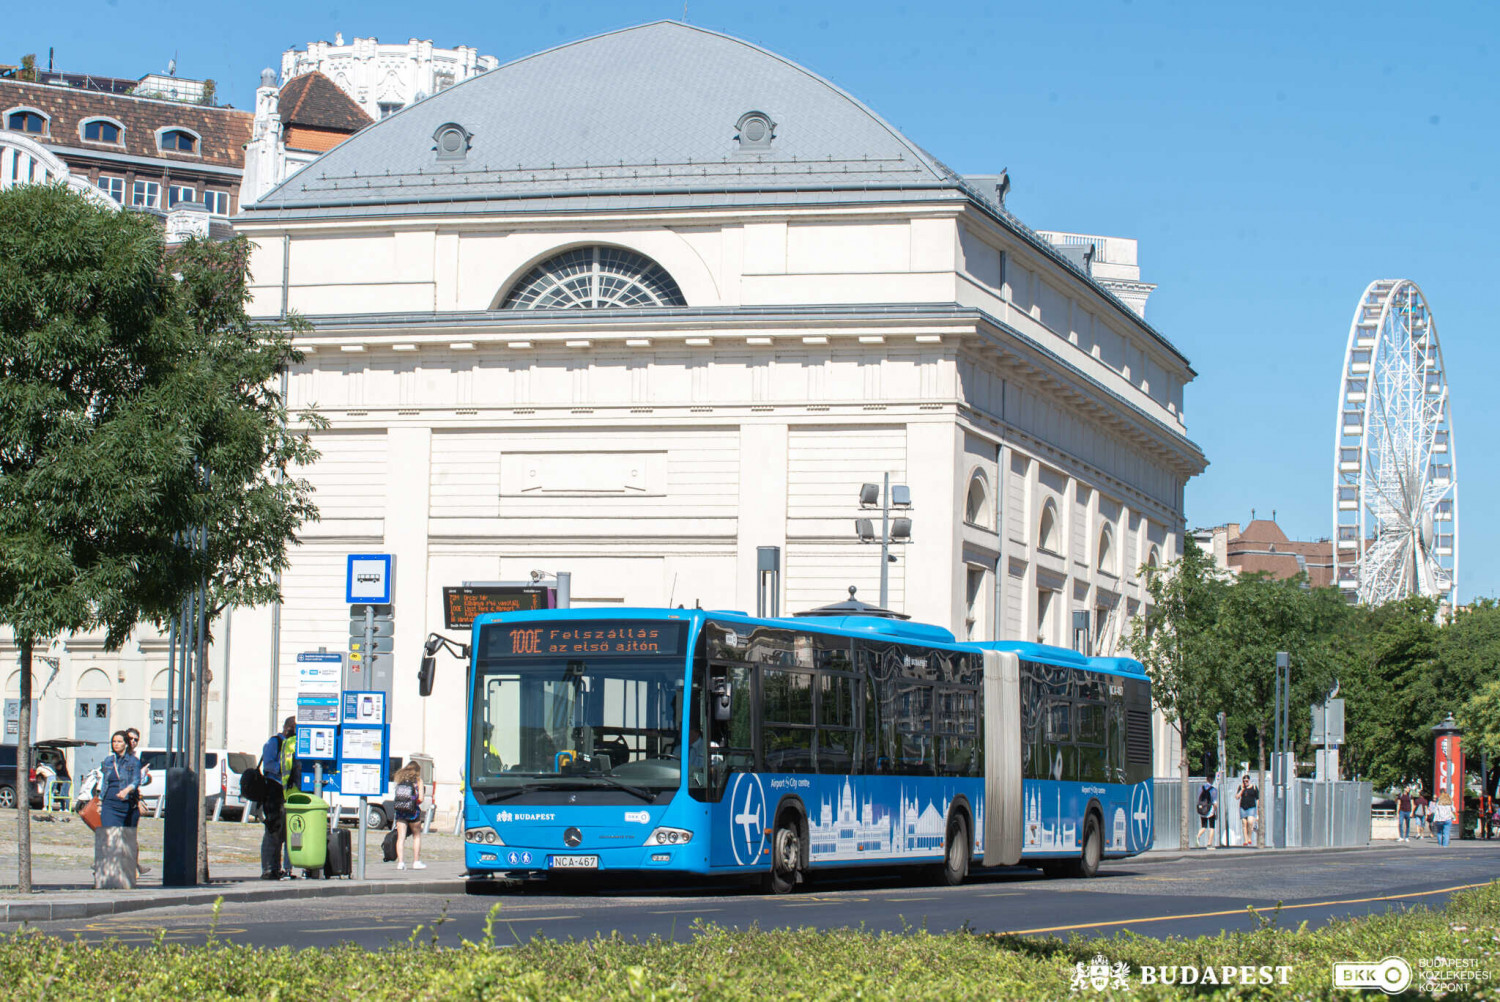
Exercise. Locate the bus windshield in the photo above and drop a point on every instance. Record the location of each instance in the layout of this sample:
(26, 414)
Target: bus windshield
(585, 707)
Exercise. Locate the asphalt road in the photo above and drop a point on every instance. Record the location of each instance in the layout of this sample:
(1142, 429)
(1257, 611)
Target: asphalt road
(1199, 895)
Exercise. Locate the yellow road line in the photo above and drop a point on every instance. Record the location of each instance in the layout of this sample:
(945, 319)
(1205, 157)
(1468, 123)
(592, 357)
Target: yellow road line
(686, 911)
(1241, 911)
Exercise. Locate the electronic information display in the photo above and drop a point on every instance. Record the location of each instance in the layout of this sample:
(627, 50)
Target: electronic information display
(462, 605)
(594, 640)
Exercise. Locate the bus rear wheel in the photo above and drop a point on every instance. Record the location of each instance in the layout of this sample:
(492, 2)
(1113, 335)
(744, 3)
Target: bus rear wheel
(786, 856)
(956, 857)
(1087, 863)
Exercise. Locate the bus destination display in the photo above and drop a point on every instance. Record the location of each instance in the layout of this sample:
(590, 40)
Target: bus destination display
(462, 605)
(594, 639)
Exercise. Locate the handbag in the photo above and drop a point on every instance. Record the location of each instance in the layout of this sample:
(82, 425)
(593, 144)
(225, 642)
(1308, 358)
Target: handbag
(89, 812)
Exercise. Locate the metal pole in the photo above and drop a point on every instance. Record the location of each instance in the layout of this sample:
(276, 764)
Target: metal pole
(564, 589)
(171, 693)
(370, 681)
(885, 543)
(360, 855)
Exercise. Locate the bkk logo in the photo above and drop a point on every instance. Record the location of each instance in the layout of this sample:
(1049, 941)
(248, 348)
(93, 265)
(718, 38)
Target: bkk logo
(643, 817)
(1391, 975)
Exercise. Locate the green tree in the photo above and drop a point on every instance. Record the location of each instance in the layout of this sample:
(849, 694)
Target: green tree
(1391, 699)
(1258, 616)
(137, 402)
(1174, 641)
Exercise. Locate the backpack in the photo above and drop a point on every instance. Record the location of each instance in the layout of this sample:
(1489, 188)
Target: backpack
(405, 801)
(1205, 802)
(388, 847)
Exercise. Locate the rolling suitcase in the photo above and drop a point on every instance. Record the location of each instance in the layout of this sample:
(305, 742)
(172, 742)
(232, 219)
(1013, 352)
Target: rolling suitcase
(388, 847)
(339, 856)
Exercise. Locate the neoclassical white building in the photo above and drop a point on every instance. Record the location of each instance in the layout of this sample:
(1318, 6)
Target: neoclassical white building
(635, 306)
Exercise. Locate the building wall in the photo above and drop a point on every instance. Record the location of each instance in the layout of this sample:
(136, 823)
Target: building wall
(650, 463)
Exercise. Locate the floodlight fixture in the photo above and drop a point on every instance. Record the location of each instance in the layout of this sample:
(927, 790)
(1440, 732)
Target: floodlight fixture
(869, 495)
(900, 530)
(900, 496)
(865, 530)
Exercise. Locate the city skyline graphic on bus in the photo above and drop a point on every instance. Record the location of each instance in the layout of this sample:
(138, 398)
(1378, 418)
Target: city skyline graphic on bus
(847, 829)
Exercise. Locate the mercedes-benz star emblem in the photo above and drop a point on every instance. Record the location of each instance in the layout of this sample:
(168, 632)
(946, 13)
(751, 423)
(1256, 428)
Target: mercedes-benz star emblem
(572, 837)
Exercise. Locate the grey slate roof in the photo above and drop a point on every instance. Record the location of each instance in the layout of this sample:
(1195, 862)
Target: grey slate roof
(645, 110)
(640, 118)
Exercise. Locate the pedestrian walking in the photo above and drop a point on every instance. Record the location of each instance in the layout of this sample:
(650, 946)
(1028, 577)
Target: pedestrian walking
(1403, 815)
(1208, 813)
(134, 737)
(408, 805)
(1249, 805)
(1442, 818)
(116, 853)
(273, 839)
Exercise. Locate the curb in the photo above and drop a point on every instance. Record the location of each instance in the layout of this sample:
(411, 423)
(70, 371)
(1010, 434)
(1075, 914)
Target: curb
(50, 911)
(1235, 852)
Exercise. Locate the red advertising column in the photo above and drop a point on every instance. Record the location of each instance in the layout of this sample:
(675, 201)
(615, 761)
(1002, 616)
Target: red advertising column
(1448, 766)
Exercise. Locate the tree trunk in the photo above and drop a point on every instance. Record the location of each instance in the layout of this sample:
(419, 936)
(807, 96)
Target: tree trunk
(1182, 773)
(23, 774)
(1263, 813)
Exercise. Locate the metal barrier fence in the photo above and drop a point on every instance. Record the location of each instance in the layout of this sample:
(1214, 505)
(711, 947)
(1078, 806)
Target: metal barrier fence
(1309, 827)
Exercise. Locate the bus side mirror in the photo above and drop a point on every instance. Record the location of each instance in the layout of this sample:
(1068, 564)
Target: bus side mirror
(722, 710)
(425, 673)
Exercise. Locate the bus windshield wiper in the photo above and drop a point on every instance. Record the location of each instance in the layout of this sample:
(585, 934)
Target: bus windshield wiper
(644, 794)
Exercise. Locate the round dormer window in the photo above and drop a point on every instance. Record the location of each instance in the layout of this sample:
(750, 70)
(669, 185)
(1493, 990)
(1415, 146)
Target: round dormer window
(452, 141)
(755, 130)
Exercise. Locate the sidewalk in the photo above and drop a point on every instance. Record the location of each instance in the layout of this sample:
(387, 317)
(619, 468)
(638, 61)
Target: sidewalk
(63, 882)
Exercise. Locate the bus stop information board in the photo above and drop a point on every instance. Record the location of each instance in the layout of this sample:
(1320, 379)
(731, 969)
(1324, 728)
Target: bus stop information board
(462, 605)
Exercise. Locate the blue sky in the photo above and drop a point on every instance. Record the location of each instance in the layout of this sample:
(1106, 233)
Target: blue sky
(1272, 159)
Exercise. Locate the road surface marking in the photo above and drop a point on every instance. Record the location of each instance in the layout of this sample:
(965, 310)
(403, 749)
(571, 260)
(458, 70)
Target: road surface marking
(928, 897)
(1243, 911)
(685, 911)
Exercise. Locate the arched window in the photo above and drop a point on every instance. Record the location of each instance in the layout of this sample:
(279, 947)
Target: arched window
(1153, 558)
(977, 504)
(1048, 537)
(1106, 560)
(102, 130)
(27, 120)
(177, 141)
(594, 278)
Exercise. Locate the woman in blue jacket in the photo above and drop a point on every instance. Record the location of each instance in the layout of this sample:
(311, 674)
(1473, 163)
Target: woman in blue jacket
(119, 805)
(116, 853)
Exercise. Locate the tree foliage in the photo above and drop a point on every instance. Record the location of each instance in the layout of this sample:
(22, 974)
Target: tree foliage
(137, 402)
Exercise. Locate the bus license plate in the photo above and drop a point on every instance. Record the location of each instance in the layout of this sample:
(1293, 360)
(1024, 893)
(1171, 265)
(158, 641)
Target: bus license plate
(575, 862)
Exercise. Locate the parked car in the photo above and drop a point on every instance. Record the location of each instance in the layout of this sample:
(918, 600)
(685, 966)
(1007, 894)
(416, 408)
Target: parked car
(48, 763)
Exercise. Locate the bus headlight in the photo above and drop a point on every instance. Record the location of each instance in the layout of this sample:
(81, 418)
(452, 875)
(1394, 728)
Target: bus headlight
(669, 836)
(482, 836)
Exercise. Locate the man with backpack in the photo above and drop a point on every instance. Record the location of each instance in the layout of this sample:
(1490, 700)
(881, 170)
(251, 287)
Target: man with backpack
(1208, 813)
(275, 767)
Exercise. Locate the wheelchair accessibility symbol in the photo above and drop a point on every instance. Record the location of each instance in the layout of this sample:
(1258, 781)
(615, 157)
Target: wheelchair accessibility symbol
(747, 813)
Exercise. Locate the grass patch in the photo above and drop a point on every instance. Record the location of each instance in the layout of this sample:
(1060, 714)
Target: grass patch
(760, 966)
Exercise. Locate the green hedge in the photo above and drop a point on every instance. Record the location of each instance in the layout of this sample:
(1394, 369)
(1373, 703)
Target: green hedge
(754, 966)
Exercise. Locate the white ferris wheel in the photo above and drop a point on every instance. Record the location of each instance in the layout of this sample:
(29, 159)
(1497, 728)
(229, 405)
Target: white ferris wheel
(1395, 481)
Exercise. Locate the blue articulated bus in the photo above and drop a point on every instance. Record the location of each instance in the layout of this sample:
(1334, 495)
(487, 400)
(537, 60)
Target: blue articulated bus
(715, 743)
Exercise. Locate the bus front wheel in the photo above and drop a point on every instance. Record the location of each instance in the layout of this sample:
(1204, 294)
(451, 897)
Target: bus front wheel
(786, 856)
(956, 859)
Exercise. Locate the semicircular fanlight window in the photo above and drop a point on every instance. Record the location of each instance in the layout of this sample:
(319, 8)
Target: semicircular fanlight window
(594, 278)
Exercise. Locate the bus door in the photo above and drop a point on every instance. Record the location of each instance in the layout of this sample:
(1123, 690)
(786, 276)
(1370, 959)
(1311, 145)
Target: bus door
(1002, 758)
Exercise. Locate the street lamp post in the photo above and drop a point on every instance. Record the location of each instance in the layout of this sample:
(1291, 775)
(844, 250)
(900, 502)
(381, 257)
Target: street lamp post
(897, 530)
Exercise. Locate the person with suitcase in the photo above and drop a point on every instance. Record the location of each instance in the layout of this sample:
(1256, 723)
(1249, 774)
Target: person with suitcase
(408, 807)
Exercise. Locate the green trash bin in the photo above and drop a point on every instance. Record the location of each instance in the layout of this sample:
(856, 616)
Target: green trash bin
(307, 830)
